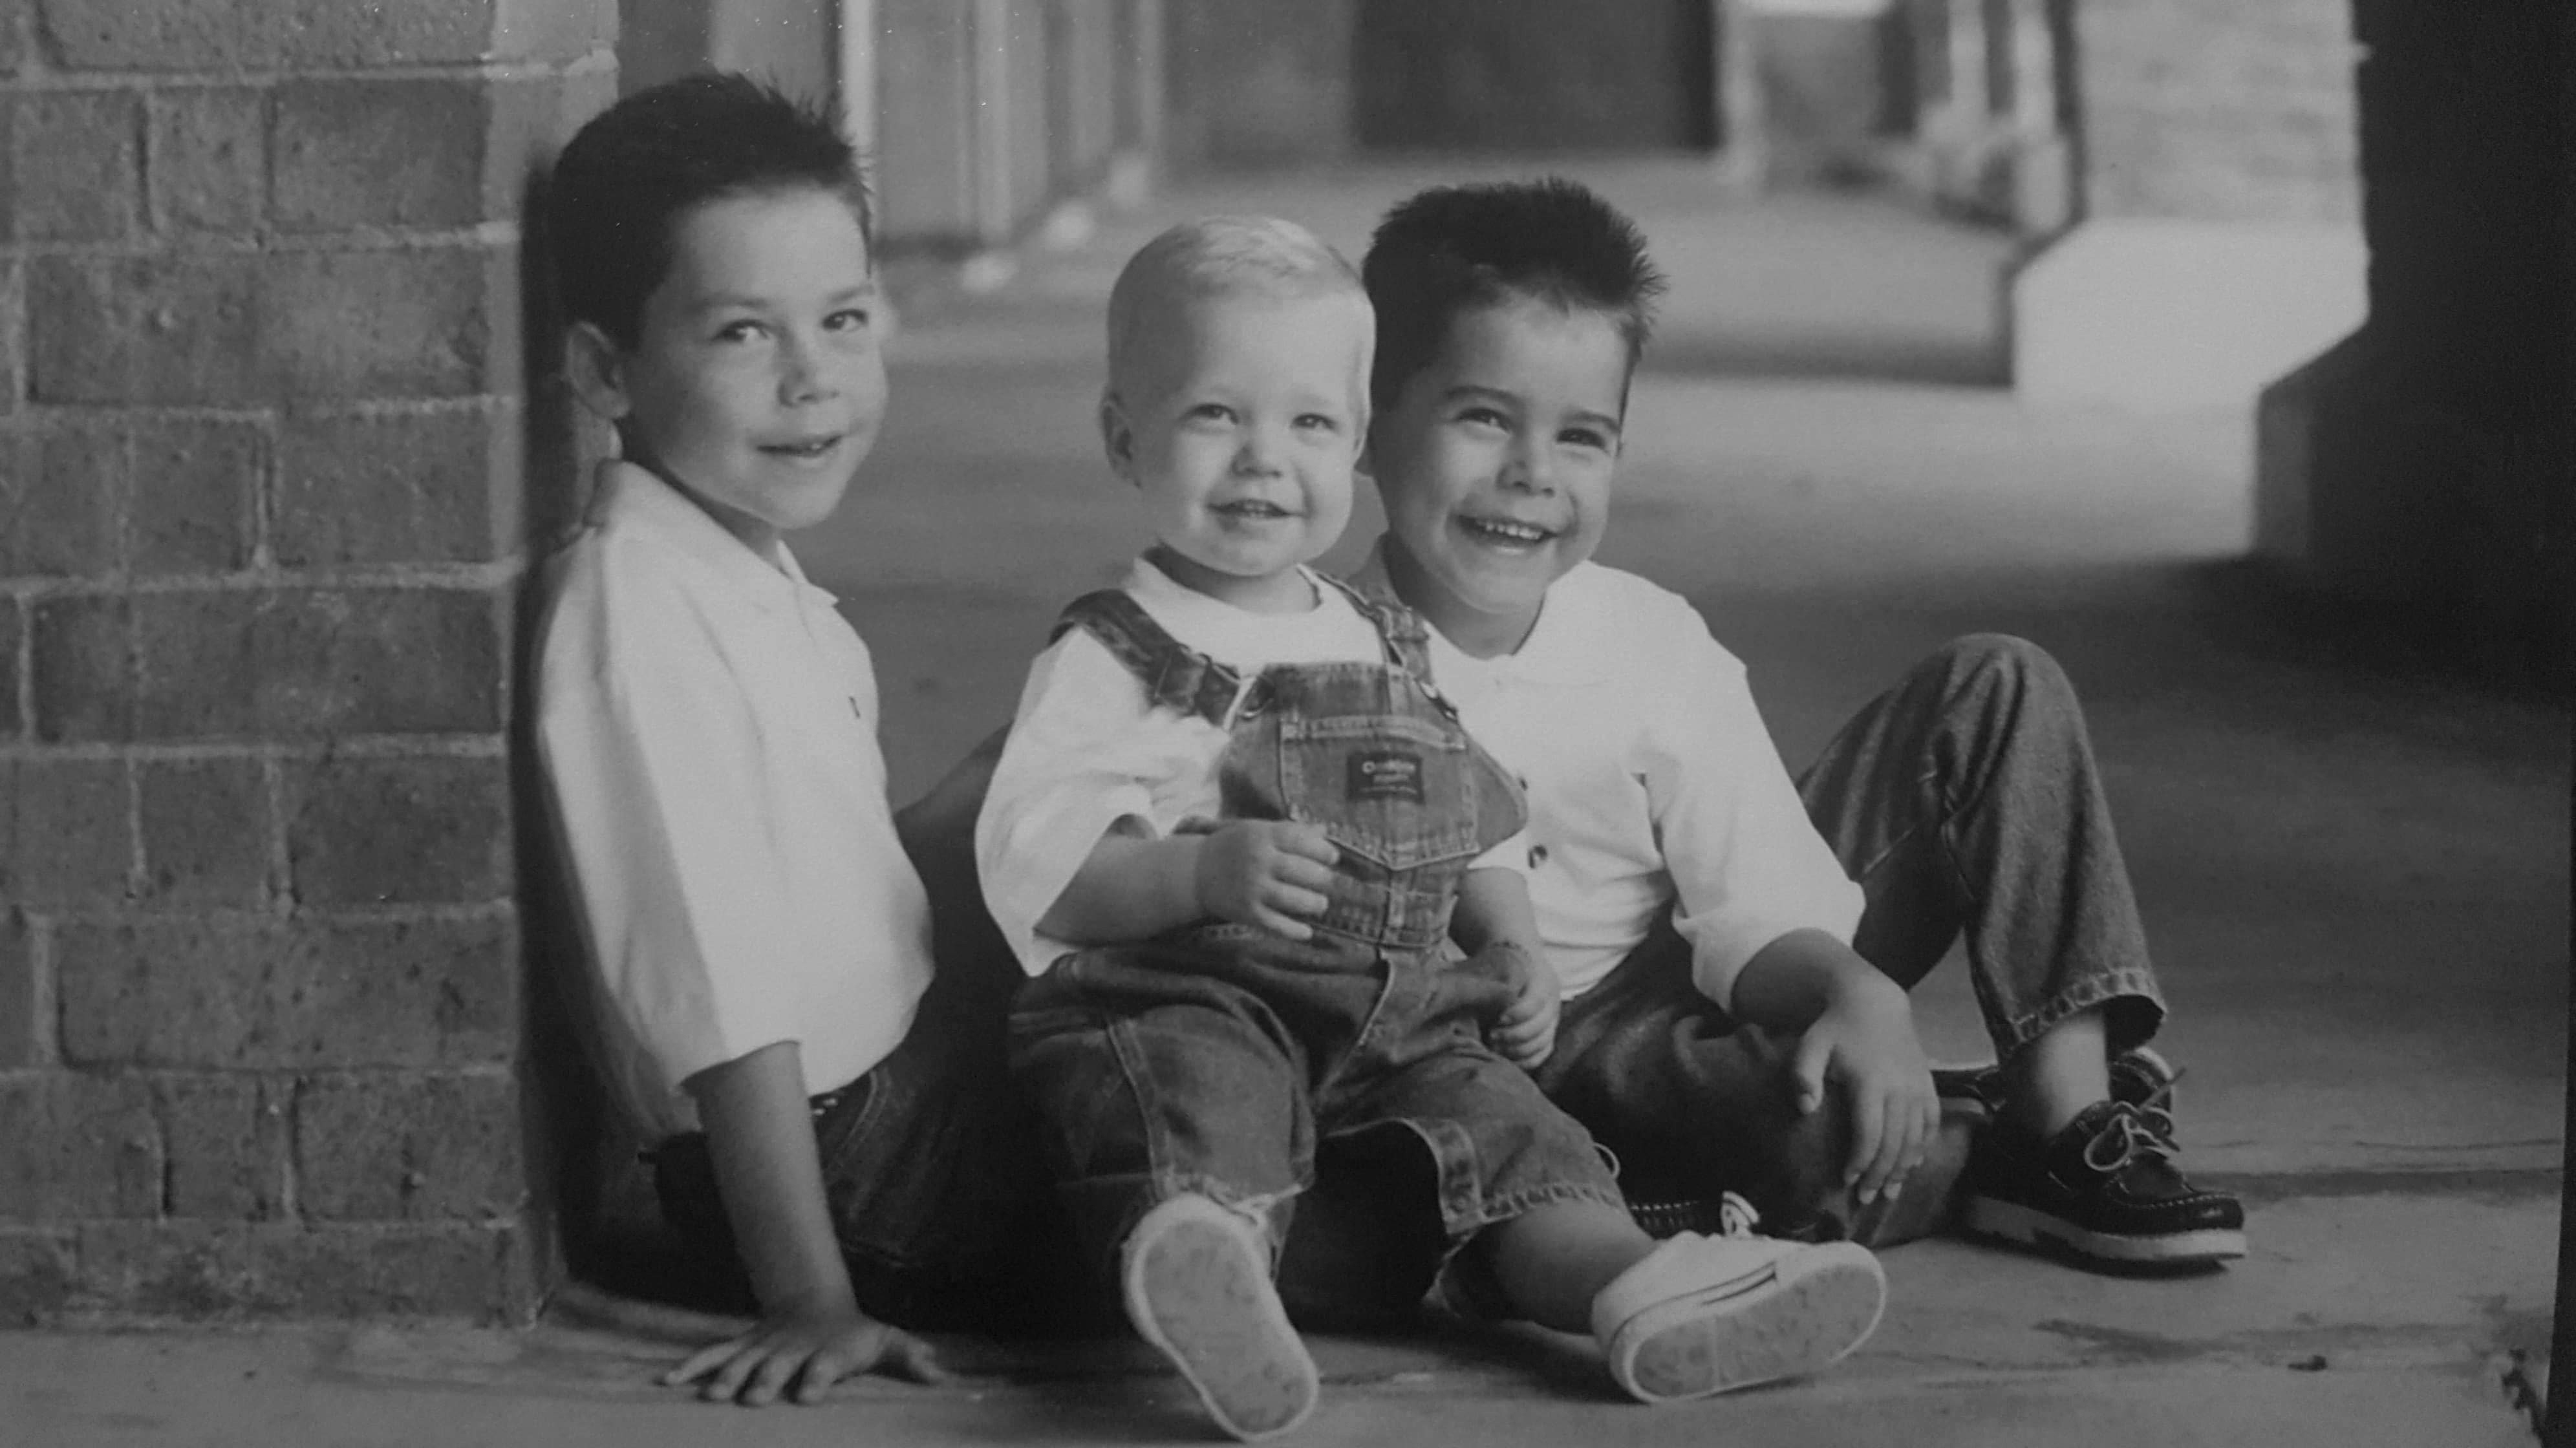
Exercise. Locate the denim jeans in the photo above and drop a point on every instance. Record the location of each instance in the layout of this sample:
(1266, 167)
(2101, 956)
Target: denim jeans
(1223, 1060)
(938, 1195)
(1964, 801)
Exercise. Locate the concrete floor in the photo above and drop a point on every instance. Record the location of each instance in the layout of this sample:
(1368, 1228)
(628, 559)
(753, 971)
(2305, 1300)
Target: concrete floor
(2354, 866)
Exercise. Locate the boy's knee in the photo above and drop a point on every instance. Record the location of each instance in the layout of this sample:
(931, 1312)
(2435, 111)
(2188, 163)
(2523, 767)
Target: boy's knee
(2002, 664)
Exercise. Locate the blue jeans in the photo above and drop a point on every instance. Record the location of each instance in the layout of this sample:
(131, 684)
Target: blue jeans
(1965, 801)
(1221, 1060)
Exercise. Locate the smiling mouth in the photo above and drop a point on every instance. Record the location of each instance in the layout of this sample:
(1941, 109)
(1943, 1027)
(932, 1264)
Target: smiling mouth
(1505, 530)
(813, 448)
(1253, 508)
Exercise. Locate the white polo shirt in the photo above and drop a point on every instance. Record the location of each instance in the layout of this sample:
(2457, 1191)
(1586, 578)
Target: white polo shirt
(1650, 777)
(1087, 751)
(707, 723)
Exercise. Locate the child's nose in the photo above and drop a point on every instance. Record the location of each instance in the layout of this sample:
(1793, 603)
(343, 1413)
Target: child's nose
(1531, 468)
(1259, 451)
(802, 374)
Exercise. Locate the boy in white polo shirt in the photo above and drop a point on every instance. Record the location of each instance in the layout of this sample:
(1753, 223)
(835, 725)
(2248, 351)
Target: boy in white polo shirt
(1736, 1012)
(821, 1102)
(1230, 836)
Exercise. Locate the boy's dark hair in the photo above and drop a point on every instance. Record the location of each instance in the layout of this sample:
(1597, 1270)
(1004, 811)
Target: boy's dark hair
(1452, 249)
(626, 179)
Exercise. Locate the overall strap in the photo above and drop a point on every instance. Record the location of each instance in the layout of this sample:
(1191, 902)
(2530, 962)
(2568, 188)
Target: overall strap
(1399, 629)
(1175, 676)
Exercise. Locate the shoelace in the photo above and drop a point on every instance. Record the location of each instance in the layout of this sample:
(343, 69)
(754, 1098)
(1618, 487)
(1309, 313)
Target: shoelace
(2127, 1134)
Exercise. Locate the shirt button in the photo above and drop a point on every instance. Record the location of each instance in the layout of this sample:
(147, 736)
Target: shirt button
(1538, 856)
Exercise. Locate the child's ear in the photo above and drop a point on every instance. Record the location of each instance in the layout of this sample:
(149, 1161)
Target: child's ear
(596, 367)
(1117, 438)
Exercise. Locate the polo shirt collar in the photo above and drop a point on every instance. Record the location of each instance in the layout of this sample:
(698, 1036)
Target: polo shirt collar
(640, 496)
(1575, 640)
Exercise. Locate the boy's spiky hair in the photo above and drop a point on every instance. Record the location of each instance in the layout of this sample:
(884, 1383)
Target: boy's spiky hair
(1455, 248)
(1218, 256)
(623, 183)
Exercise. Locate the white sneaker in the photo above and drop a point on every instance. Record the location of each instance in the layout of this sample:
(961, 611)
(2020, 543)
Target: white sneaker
(1197, 1283)
(1703, 1315)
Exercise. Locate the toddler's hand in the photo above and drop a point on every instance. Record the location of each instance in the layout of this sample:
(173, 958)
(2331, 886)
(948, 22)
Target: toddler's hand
(1525, 1034)
(798, 1355)
(1269, 874)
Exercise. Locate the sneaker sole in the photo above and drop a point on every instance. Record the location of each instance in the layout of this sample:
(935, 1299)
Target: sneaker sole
(1755, 1330)
(2013, 1222)
(1203, 1297)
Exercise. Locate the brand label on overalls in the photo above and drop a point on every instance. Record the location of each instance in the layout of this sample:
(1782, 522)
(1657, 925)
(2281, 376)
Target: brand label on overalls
(1386, 774)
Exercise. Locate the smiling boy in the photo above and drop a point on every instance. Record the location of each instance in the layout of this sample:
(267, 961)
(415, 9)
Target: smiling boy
(821, 1104)
(1736, 950)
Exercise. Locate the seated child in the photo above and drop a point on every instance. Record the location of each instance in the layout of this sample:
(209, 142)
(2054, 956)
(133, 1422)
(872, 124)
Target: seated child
(1736, 1012)
(820, 1100)
(1225, 837)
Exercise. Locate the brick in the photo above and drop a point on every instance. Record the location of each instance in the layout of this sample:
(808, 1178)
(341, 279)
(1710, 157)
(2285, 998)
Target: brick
(407, 152)
(478, 1270)
(36, 1274)
(61, 502)
(402, 488)
(146, 329)
(22, 1013)
(201, 35)
(206, 831)
(77, 1145)
(13, 33)
(421, 323)
(227, 1139)
(208, 162)
(408, 1147)
(194, 486)
(65, 838)
(407, 831)
(81, 669)
(247, 992)
(78, 165)
(296, 663)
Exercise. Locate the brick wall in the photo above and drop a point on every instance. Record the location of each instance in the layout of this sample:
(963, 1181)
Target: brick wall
(2217, 109)
(263, 451)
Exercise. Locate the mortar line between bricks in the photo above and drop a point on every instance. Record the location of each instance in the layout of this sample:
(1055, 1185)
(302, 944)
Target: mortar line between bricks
(427, 912)
(489, 744)
(490, 235)
(454, 577)
(50, 77)
(45, 999)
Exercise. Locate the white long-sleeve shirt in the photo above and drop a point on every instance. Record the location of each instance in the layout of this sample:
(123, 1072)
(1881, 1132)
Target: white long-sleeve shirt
(707, 723)
(1087, 750)
(1651, 780)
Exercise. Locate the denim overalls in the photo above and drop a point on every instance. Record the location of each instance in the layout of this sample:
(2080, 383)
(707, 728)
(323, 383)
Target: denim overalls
(1214, 1058)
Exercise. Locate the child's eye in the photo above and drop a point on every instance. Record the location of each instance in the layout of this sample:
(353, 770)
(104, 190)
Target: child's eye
(848, 319)
(1585, 437)
(1318, 422)
(1210, 412)
(1482, 417)
(744, 330)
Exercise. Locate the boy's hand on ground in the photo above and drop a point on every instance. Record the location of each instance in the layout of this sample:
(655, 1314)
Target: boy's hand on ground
(1865, 1044)
(1273, 875)
(799, 1355)
(1525, 1033)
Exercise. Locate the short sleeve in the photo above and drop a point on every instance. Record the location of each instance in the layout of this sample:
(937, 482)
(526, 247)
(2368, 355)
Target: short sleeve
(1084, 753)
(654, 765)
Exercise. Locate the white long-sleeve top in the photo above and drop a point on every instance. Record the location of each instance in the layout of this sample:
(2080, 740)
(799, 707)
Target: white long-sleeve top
(707, 724)
(1651, 780)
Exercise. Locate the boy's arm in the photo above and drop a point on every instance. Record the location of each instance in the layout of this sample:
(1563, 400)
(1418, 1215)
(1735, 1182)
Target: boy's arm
(811, 1332)
(1858, 1032)
(1498, 928)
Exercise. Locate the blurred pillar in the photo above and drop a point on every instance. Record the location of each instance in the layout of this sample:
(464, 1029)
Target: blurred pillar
(2219, 239)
